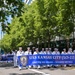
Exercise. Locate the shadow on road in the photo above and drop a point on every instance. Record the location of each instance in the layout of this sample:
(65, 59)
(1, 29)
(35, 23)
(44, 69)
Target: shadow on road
(6, 64)
(25, 74)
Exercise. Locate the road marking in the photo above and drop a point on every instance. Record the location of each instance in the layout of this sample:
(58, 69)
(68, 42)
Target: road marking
(39, 72)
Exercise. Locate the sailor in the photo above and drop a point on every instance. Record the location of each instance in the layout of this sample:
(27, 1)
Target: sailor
(42, 51)
(28, 52)
(50, 50)
(70, 52)
(64, 53)
(74, 52)
(55, 52)
(36, 52)
(20, 52)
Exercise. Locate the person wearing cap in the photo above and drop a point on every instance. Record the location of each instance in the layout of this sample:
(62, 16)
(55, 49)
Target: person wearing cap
(70, 52)
(64, 53)
(55, 52)
(28, 52)
(36, 52)
(20, 52)
(42, 51)
(33, 49)
(73, 51)
(48, 52)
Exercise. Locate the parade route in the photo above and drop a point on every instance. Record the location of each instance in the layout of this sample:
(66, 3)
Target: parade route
(50, 71)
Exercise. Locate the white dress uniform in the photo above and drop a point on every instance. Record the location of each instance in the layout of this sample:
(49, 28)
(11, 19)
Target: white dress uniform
(74, 52)
(20, 53)
(28, 53)
(48, 53)
(15, 59)
(64, 53)
(55, 53)
(70, 52)
(36, 53)
(42, 52)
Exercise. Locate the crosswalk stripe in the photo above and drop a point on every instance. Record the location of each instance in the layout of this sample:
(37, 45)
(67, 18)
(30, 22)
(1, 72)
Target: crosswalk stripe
(39, 72)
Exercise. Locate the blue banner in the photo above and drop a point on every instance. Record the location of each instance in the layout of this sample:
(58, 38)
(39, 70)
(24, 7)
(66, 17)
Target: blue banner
(46, 60)
(6, 58)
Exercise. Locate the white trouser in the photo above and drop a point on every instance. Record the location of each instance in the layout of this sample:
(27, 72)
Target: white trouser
(15, 60)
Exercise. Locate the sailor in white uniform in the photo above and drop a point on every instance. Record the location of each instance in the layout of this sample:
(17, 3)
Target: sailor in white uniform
(20, 52)
(64, 53)
(55, 52)
(70, 52)
(48, 52)
(36, 52)
(42, 51)
(74, 52)
(28, 52)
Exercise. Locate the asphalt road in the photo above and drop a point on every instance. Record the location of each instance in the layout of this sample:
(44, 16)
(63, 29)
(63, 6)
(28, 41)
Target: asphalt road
(49, 71)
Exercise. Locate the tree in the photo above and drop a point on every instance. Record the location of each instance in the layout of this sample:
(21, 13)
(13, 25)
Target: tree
(10, 8)
(65, 17)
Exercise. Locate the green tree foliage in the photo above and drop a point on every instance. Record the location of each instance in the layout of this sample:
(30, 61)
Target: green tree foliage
(10, 7)
(43, 20)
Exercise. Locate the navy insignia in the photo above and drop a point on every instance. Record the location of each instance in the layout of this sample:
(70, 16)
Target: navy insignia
(23, 60)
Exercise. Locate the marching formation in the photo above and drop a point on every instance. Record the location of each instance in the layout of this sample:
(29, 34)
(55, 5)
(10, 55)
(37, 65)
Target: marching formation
(44, 51)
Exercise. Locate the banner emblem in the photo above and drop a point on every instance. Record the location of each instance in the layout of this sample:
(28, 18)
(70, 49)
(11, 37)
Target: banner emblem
(23, 60)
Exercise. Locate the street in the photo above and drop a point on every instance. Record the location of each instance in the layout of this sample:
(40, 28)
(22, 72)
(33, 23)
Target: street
(49, 71)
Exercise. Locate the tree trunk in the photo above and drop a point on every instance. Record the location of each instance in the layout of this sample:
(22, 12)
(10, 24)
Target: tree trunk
(67, 43)
(49, 41)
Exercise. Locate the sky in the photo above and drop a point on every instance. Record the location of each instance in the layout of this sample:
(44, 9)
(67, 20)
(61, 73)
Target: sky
(1, 33)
